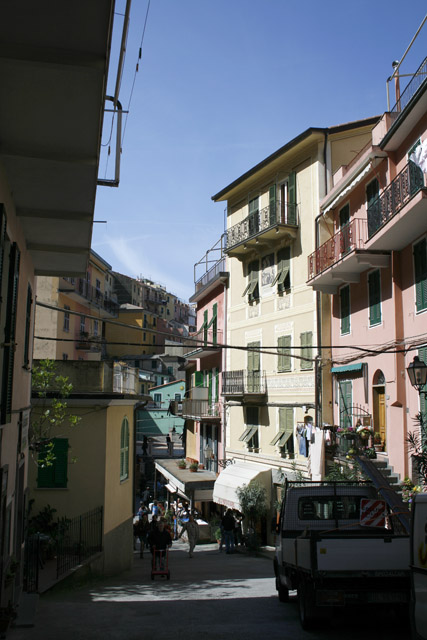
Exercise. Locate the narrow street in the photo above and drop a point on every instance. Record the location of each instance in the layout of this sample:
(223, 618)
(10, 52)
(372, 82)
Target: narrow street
(212, 595)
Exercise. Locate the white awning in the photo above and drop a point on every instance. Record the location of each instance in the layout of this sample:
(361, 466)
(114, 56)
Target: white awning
(348, 188)
(236, 475)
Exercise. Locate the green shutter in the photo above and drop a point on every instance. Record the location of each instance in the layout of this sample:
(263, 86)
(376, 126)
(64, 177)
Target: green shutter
(254, 367)
(205, 328)
(292, 199)
(9, 333)
(420, 268)
(54, 476)
(306, 351)
(210, 387)
(253, 206)
(283, 269)
(345, 309)
(284, 345)
(272, 203)
(345, 400)
(198, 379)
(374, 286)
(214, 323)
(3, 223)
(28, 326)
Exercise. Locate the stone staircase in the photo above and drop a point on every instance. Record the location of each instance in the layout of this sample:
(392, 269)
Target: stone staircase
(382, 464)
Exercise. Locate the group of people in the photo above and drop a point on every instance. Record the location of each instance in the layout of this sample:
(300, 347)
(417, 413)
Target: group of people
(231, 530)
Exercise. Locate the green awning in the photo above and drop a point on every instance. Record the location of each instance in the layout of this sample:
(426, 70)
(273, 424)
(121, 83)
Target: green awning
(347, 368)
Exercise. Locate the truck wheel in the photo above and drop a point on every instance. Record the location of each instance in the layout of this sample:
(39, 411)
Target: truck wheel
(306, 606)
(282, 591)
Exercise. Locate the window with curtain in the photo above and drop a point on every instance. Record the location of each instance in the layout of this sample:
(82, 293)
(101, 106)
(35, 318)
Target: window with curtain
(124, 450)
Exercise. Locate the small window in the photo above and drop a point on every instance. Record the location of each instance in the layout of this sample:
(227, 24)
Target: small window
(66, 326)
(124, 450)
(96, 327)
(178, 397)
(82, 324)
(283, 278)
(252, 288)
(158, 398)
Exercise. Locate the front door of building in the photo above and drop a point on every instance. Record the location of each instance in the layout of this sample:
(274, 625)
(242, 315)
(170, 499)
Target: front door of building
(379, 412)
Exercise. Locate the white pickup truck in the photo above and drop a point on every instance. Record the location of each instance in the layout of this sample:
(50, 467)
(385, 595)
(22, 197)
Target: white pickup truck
(333, 560)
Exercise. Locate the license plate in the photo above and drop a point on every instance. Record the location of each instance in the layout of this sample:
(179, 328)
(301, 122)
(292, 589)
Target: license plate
(330, 598)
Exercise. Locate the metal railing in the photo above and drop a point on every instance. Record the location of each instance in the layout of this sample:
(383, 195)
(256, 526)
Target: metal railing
(199, 408)
(203, 338)
(405, 185)
(243, 382)
(79, 540)
(210, 275)
(411, 88)
(260, 221)
(352, 236)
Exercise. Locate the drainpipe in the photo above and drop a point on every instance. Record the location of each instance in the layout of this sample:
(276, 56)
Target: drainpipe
(318, 360)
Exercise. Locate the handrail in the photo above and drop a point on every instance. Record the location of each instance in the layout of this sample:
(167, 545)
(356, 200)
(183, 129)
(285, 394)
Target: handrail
(352, 236)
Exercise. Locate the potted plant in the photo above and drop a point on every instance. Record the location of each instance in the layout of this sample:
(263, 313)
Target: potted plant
(194, 466)
(218, 535)
(182, 464)
(378, 443)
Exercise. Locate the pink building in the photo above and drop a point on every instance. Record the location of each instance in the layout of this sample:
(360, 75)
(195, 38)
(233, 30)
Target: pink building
(372, 260)
(202, 408)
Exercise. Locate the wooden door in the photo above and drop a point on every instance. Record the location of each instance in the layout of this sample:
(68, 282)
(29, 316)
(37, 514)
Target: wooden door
(379, 413)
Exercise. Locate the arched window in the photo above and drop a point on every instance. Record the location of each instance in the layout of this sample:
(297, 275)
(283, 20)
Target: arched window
(124, 450)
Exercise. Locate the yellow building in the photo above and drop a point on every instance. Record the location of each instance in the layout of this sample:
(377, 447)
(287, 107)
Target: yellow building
(101, 477)
(78, 333)
(138, 338)
(272, 383)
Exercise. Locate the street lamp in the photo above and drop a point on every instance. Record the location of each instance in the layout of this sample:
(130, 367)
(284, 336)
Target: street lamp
(417, 372)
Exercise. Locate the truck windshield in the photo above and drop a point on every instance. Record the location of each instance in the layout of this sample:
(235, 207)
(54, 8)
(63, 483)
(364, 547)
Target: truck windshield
(329, 507)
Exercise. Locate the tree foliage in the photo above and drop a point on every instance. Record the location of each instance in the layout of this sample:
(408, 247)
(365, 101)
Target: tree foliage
(52, 389)
(253, 501)
(417, 445)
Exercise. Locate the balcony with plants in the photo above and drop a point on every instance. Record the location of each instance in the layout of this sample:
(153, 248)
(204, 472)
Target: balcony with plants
(269, 226)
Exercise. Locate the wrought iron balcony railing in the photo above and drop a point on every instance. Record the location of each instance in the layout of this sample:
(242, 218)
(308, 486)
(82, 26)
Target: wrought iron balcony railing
(202, 339)
(352, 236)
(394, 197)
(242, 382)
(412, 87)
(263, 220)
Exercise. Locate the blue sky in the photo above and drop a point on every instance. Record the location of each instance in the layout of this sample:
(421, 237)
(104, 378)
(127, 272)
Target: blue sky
(221, 85)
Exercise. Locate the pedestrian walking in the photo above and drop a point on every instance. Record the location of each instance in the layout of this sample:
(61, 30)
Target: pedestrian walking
(191, 528)
(145, 497)
(228, 524)
(160, 540)
(141, 530)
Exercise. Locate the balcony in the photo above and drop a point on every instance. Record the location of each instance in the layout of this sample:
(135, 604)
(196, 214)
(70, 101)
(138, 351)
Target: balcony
(398, 215)
(87, 342)
(80, 288)
(265, 227)
(197, 409)
(243, 383)
(342, 258)
(203, 342)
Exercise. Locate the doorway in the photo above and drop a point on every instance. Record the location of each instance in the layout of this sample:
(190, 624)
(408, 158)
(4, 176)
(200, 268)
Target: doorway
(379, 414)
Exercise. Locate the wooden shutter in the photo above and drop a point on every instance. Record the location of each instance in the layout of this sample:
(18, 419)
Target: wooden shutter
(284, 345)
(272, 204)
(198, 379)
(345, 309)
(214, 323)
(306, 351)
(422, 354)
(292, 199)
(9, 334)
(283, 269)
(205, 327)
(374, 284)
(420, 269)
(254, 368)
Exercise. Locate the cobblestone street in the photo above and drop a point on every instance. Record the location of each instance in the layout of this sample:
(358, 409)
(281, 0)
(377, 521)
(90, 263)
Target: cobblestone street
(212, 595)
